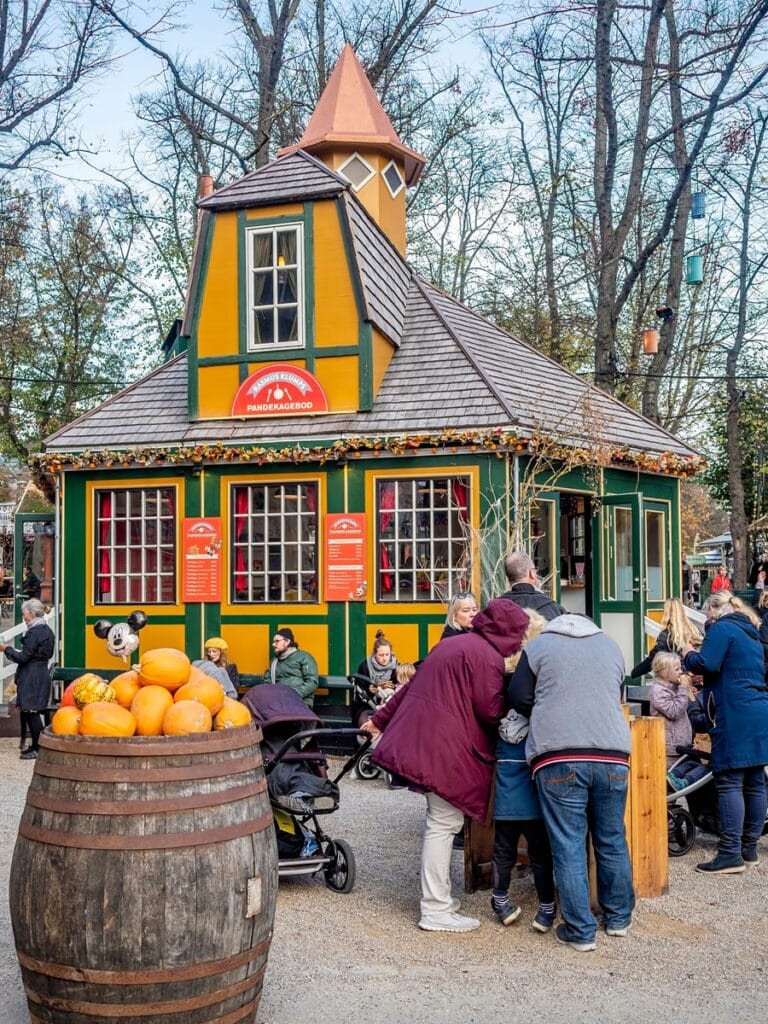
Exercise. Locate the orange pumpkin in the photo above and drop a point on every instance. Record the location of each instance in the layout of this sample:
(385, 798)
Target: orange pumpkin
(102, 718)
(207, 690)
(165, 666)
(148, 708)
(126, 686)
(91, 688)
(68, 697)
(66, 721)
(196, 675)
(185, 717)
(232, 715)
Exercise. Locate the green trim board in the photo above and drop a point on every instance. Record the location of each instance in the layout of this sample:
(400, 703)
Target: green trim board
(193, 394)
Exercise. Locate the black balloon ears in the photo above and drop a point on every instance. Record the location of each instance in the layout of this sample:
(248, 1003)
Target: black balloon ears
(102, 628)
(137, 620)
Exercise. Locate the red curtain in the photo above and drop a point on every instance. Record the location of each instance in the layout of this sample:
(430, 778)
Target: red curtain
(241, 532)
(386, 502)
(386, 578)
(104, 583)
(311, 501)
(459, 495)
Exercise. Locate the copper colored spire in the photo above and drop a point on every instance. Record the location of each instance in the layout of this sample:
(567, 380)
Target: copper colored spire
(349, 114)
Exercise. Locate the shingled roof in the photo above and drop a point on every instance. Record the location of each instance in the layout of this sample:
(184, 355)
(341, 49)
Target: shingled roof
(289, 179)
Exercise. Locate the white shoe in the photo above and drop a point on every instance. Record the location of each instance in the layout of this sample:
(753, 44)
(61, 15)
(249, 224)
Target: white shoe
(448, 922)
(455, 905)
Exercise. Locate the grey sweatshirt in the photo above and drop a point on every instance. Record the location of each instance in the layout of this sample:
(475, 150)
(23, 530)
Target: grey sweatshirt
(569, 682)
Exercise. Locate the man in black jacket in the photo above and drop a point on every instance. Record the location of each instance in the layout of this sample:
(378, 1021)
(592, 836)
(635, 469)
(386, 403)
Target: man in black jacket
(521, 573)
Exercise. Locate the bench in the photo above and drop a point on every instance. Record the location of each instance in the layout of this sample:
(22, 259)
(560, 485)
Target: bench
(638, 697)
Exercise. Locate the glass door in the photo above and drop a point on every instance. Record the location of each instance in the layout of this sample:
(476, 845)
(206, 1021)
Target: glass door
(33, 559)
(619, 540)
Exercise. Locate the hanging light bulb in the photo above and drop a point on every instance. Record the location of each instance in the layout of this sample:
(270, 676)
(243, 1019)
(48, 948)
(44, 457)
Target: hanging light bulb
(650, 341)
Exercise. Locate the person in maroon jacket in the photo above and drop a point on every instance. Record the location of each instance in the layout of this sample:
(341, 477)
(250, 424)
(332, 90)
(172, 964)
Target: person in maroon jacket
(439, 733)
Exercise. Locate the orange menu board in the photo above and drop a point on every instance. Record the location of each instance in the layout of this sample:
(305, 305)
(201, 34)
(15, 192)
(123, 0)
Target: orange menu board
(201, 551)
(345, 557)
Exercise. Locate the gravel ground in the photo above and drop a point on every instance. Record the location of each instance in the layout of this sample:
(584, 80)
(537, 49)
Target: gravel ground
(696, 954)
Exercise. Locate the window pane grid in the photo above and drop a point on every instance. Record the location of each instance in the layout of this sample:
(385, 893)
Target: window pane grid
(274, 547)
(135, 545)
(422, 538)
(275, 287)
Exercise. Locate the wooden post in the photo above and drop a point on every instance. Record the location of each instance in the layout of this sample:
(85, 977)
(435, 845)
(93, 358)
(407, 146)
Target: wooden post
(646, 817)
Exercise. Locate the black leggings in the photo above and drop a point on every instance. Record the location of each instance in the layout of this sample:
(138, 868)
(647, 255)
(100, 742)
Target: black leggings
(505, 843)
(32, 722)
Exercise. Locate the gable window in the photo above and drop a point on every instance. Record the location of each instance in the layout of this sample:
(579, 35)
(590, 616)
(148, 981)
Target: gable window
(422, 538)
(275, 287)
(393, 179)
(135, 545)
(357, 171)
(274, 543)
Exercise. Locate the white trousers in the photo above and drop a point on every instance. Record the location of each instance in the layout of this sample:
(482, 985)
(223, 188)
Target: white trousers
(443, 822)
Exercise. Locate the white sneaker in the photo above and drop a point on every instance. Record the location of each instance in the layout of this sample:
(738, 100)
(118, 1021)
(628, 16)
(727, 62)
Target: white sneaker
(448, 922)
(455, 905)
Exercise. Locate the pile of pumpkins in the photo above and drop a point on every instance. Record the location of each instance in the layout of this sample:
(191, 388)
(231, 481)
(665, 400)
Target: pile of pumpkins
(164, 695)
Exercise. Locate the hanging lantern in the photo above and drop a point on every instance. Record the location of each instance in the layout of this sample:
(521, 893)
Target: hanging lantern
(650, 341)
(698, 205)
(694, 269)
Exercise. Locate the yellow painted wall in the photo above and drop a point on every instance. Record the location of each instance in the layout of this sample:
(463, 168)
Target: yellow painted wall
(388, 213)
(403, 637)
(218, 326)
(339, 378)
(383, 351)
(434, 632)
(336, 321)
(249, 646)
(217, 386)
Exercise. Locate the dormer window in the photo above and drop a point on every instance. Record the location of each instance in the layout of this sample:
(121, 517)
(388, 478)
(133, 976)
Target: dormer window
(356, 171)
(393, 178)
(275, 287)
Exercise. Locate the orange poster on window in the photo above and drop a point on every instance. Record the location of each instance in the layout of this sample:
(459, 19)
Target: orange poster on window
(201, 560)
(345, 557)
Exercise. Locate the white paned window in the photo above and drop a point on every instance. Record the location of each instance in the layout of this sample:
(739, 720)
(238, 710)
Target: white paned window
(357, 171)
(135, 545)
(422, 538)
(275, 287)
(274, 543)
(393, 179)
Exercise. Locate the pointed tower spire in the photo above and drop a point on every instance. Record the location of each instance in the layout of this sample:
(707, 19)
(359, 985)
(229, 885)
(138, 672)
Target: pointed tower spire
(349, 115)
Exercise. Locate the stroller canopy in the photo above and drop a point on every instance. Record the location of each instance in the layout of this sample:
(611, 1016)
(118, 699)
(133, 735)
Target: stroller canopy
(270, 703)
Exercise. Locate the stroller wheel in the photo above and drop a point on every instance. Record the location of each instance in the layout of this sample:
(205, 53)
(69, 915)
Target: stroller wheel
(340, 873)
(681, 831)
(366, 769)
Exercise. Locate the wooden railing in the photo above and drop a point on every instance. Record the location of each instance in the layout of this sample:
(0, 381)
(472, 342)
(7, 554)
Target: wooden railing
(8, 668)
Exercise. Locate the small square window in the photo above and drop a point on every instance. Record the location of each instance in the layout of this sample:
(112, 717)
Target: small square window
(357, 171)
(393, 178)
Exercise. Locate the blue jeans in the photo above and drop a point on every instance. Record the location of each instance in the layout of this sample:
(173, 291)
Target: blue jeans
(579, 797)
(741, 808)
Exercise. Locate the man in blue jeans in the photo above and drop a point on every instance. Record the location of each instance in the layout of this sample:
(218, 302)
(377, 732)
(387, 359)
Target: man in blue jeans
(568, 682)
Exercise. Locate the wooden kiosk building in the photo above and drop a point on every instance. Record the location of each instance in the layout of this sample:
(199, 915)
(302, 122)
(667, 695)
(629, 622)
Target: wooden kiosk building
(332, 440)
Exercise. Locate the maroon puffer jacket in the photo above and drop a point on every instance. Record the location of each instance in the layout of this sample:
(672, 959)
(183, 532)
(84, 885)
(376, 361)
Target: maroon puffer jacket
(440, 729)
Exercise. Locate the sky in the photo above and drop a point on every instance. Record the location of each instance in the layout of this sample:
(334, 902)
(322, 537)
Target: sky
(106, 114)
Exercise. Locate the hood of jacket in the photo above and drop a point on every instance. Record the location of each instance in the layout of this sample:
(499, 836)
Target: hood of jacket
(503, 624)
(572, 625)
(743, 623)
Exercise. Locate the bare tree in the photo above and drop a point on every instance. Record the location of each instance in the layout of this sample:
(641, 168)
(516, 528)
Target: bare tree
(49, 50)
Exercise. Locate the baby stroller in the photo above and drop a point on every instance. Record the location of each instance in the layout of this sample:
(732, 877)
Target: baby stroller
(300, 790)
(364, 705)
(694, 806)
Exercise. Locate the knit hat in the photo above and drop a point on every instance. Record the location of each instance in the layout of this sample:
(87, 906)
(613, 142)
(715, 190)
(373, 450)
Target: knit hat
(217, 642)
(287, 633)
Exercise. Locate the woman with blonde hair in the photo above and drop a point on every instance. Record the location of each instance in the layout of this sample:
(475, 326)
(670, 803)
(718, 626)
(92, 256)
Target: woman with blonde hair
(736, 701)
(677, 632)
(462, 608)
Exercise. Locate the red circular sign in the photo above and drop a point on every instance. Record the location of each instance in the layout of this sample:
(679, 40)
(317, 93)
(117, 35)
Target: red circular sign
(279, 390)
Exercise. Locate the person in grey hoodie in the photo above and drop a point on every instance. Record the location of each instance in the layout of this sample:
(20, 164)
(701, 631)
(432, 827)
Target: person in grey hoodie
(568, 682)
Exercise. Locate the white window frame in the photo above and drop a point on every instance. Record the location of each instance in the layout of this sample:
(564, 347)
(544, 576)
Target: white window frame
(270, 546)
(113, 549)
(364, 182)
(400, 187)
(407, 580)
(274, 230)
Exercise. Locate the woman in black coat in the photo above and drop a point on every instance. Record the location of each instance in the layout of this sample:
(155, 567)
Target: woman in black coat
(33, 677)
(462, 608)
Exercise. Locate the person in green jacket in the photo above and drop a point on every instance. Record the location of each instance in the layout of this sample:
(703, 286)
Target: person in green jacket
(292, 667)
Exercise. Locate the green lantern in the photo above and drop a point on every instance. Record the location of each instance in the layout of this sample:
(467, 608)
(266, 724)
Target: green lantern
(694, 270)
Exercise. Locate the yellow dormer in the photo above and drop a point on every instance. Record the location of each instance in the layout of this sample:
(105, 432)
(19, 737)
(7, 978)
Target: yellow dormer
(350, 132)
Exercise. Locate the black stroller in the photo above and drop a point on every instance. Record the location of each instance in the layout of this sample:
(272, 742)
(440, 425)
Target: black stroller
(300, 790)
(363, 706)
(695, 805)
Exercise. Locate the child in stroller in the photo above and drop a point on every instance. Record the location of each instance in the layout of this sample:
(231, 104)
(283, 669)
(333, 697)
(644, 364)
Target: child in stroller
(300, 790)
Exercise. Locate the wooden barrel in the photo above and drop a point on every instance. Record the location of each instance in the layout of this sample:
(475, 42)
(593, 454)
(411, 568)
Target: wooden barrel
(144, 879)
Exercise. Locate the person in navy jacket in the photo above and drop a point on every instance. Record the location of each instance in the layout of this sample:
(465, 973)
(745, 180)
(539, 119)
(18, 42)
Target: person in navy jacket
(736, 700)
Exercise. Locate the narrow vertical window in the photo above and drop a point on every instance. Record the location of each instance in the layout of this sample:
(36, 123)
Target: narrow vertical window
(275, 287)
